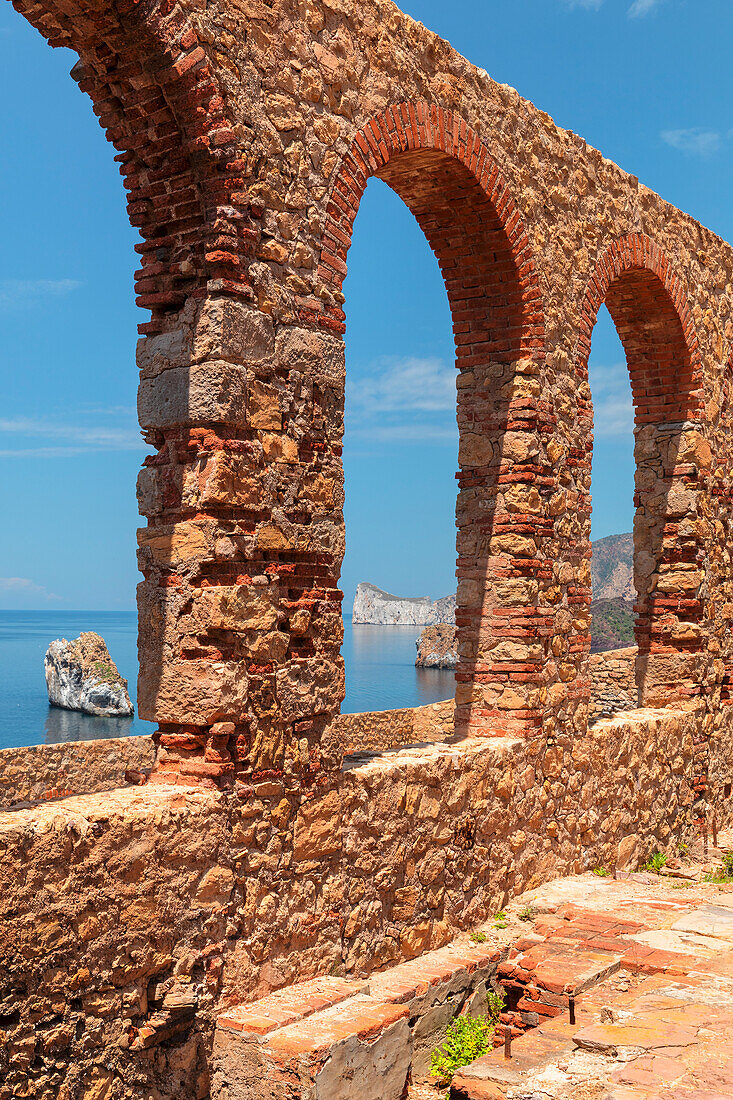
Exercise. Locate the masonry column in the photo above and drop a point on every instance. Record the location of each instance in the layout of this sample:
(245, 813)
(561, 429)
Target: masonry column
(240, 626)
(506, 611)
(670, 534)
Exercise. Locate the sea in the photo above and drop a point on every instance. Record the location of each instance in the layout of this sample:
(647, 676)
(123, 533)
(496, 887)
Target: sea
(380, 674)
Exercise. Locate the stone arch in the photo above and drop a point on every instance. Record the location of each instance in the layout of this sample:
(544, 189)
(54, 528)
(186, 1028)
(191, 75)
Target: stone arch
(446, 176)
(158, 96)
(390, 146)
(648, 305)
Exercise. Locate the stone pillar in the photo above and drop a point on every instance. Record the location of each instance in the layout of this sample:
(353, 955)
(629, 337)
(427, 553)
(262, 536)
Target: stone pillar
(240, 627)
(670, 534)
(505, 573)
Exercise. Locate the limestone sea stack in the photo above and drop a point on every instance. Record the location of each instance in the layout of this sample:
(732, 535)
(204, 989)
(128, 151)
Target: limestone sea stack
(374, 607)
(81, 675)
(436, 647)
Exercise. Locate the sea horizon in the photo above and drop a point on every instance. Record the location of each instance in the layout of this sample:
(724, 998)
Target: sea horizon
(379, 660)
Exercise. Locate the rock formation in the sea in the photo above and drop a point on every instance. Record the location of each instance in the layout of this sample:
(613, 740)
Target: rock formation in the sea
(436, 647)
(374, 607)
(81, 675)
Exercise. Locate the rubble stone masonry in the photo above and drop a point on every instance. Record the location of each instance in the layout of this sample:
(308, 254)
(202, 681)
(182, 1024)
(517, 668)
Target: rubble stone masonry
(246, 132)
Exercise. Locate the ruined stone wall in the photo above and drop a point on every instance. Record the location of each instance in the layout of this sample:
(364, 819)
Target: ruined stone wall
(247, 133)
(439, 839)
(388, 729)
(28, 774)
(613, 682)
(129, 918)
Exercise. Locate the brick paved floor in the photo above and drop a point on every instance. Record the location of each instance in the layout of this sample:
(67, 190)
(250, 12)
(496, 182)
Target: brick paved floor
(649, 961)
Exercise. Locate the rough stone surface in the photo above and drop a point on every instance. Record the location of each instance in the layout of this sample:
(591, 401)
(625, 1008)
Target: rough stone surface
(613, 679)
(405, 1008)
(373, 606)
(28, 774)
(246, 133)
(388, 729)
(81, 675)
(654, 1024)
(132, 918)
(436, 647)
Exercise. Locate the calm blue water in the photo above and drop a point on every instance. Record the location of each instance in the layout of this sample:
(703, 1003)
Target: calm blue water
(380, 674)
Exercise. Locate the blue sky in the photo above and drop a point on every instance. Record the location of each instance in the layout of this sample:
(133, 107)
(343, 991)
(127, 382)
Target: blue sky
(648, 82)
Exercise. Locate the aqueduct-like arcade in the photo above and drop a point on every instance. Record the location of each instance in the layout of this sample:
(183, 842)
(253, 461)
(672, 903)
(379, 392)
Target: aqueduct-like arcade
(246, 133)
(246, 140)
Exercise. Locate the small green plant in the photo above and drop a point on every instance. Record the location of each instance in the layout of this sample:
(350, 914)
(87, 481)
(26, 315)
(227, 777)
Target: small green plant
(104, 671)
(467, 1038)
(683, 848)
(528, 913)
(602, 872)
(494, 1005)
(477, 937)
(500, 919)
(724, 873)
(655, 863)
(683, 885)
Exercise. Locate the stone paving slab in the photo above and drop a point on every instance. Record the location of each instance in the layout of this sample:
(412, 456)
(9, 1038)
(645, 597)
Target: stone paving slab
(708, 920)
(659, 1028)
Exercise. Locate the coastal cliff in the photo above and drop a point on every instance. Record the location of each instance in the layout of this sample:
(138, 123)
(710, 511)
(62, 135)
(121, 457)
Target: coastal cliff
(374, 607)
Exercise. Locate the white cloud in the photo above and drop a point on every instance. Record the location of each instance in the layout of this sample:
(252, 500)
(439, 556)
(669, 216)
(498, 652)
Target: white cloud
(21, 585)
(22, 293)
(403, 401)
(695, 141)
(415, 385)
(613, 408)
(643, 7)
(69, 439)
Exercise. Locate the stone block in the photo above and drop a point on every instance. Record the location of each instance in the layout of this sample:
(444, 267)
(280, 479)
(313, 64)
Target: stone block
(231, 330)
(310, 686)
(240, 607)
(315, 354)
(195, 691)
(212, 392)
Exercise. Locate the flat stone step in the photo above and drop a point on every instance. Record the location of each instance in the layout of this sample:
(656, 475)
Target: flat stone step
(287, 1006)
(349, 1040)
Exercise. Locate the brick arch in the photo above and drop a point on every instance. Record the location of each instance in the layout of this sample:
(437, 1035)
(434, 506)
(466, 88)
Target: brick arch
(635, 280)
(649, 307)
(406, 137)
(445, 175)
(157, 95)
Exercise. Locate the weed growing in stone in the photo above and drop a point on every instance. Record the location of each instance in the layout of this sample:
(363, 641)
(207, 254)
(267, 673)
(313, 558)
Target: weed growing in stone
(467, 1038)
(477, 937)
(655, 863)
(500, 919)
(724, 873)
(527, 913)
(602, 872)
